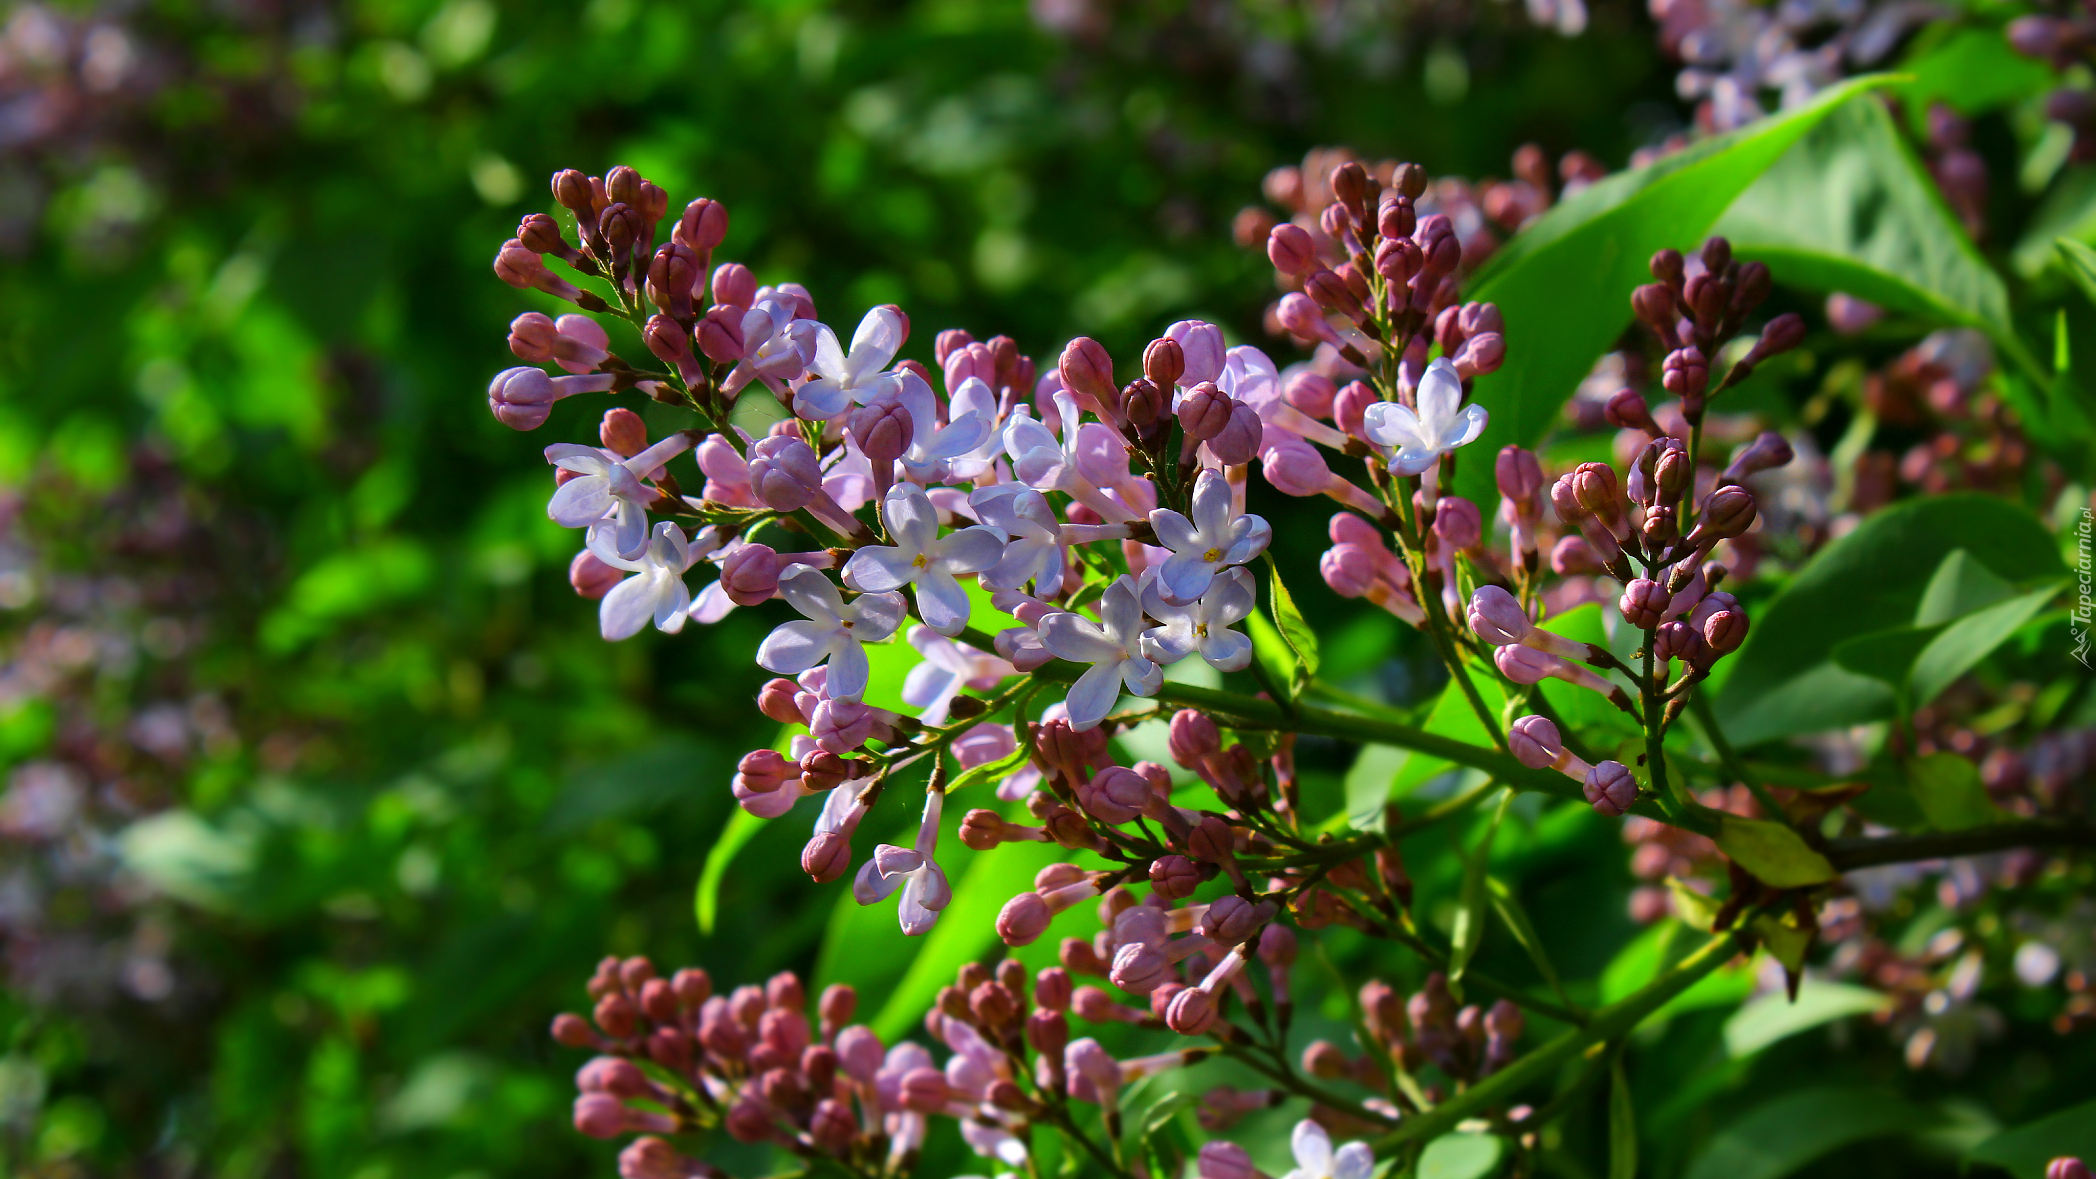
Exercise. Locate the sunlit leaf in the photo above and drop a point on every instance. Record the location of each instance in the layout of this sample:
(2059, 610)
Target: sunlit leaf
(1775, 854)
(1948, 790)
(1776, 1017)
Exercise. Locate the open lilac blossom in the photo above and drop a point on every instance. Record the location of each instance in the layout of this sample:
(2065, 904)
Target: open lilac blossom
(1202, 627)
(1034, 550)
(605, 493)
(1213, 539)
(1112, 646)
(1315, 1158)
(925, 891)
(656, 590)
(923, 558)
(948, 667)
(1441, 424)
(831, 634)
(858, 376)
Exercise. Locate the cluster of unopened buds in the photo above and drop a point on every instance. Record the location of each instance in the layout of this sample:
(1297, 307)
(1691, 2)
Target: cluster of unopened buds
(672, 1057)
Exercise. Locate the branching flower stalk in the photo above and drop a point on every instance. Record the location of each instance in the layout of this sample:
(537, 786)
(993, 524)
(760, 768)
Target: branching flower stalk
(1047, 543)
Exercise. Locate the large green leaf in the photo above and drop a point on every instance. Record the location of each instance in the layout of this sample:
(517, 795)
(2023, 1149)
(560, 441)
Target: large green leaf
(1564, 284)
(1781, 1136)
(1783, 681)
(1948, 790)
(1775, 854)
(1851, 209)
(1776, 1016)
(1461, 1156)
(2025, 1150)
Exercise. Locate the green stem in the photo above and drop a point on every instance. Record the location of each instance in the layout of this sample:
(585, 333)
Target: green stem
(1609, 1023)
(1287, 1079)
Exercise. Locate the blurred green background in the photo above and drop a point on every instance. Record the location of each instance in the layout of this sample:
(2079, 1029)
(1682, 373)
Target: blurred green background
(336, 796)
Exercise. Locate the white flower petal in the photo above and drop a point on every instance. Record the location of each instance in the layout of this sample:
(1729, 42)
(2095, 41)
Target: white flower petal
(795, 646)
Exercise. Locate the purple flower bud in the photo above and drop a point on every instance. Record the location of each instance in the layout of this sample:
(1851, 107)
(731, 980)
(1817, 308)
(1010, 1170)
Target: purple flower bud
(1085, 1058)
(1610, 788)
(884, 431)
(2066, 1167)
(734, 285)
(1458, 523)
(1678, 640)
(1297, 314)
(1497, 617)
(1643, 602)
(1594, 485)
(518, 266)
(1202, 349)
(784, 472)
(1724, 631)
(1191, 1012)
(1204, 412)
(1519, 475)
(540, 234)
(1686, 374)
(924, 1090)
(1145, 401)
(1311, 392)
(1727, 512)
(720, 334)
(591, 577)
(1194, 738)
(1573, 556)
(1564, 496)
(749, 1119)
(1766, 452)
(1399, 259)
(600, 1115)
(860, 1053)
(762, 771)
(703, 227)
(832, 1127)
(1174, 877)
(1350, 408)
(1023, 919)
(1238, 441)
(826, 856)
(1524, 665)
(1348, 568)
(672, 273)
(1290, 248)
(522, 398)
(653, 1158)
(1480, 355)
(1087, 372)
(1139, 968)
(1232, 919)
(1535, 742)
(1228, 1160)
(1163, 363)
(1329, 291)
(1436, 236)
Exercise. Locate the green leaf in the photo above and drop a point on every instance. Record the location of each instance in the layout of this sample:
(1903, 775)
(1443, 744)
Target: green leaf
(1886, 656)
(1694, 909)
(1515, 916)
(1964, 643)
(1779, 1137)
(2080, 262)
(1294, 628)
(742, 827)
(1622, 1123)
(1564, 283)
(1775, 854)
(1461, 1156)
(1452, 717)
(1973, 71)
(1959, 586)
(1003, 767)
(1850, 208)
(1775, 1017)
(1783, 681)
(1469, 927)
(1368, 783)
(2025, 1150)
(1947, 788)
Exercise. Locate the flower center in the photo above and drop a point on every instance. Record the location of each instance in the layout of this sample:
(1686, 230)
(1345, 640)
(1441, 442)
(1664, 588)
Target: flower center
(922, 562)
(1212, 556)
(1201, 629)
(846, 623)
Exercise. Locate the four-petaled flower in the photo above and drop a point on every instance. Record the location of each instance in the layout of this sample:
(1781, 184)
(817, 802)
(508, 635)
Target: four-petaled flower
(971, 423)
(606, 496)
(1215, 538)
(656, 589)
(860, 375)
(925, 890)
(833, 631)
(1442, 423)
(1034, 551)
(922, 557)
(1114, 648)
(1315, 1158)
(1203, 626)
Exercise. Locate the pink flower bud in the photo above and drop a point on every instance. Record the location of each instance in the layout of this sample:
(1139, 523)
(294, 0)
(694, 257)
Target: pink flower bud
(703, 227)
(1139, 968)
(1213, 841)
(1023, 919)
(1610, 788)
(749, 1119)
(672, 273)
(750, 575)
(1294, 467)
(1087, 372)
(1518, 474)
(522, 398)
(1724, 631)
(1573, 556)
(1594, 486)
(591, 577)
(784, 472)
(832, 1126)
(1436, 236)
(622, 432)
(1766, 452)
(734, 286)
(1191, 1012)
(1458, 523)
(518, 266)
(838, 1003)
(1193, 738)
(762, 771)
(1348, 569)
(860, 1053)
(720, 334)
(1643, 602)
(1300, 317)
(776, 699)
(1174, 877)
(1686, 374)
(1052, 989)
(600, 1115)
(1524, 665)
(1225, 1160)
(1480, 355)
(2066, 1166)
(883, 430)
(1238, 441)
(1232, 919)
(1678, 640)
(1085, 1058)
(1535, 743)
(924, 1090)
(1119, 792)
(1203, 412)
(1497, 617)
(1727, 512)
(826, 856)
(1144, 402)
(653, 1158)
(1290, 248)
(1350, 408)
